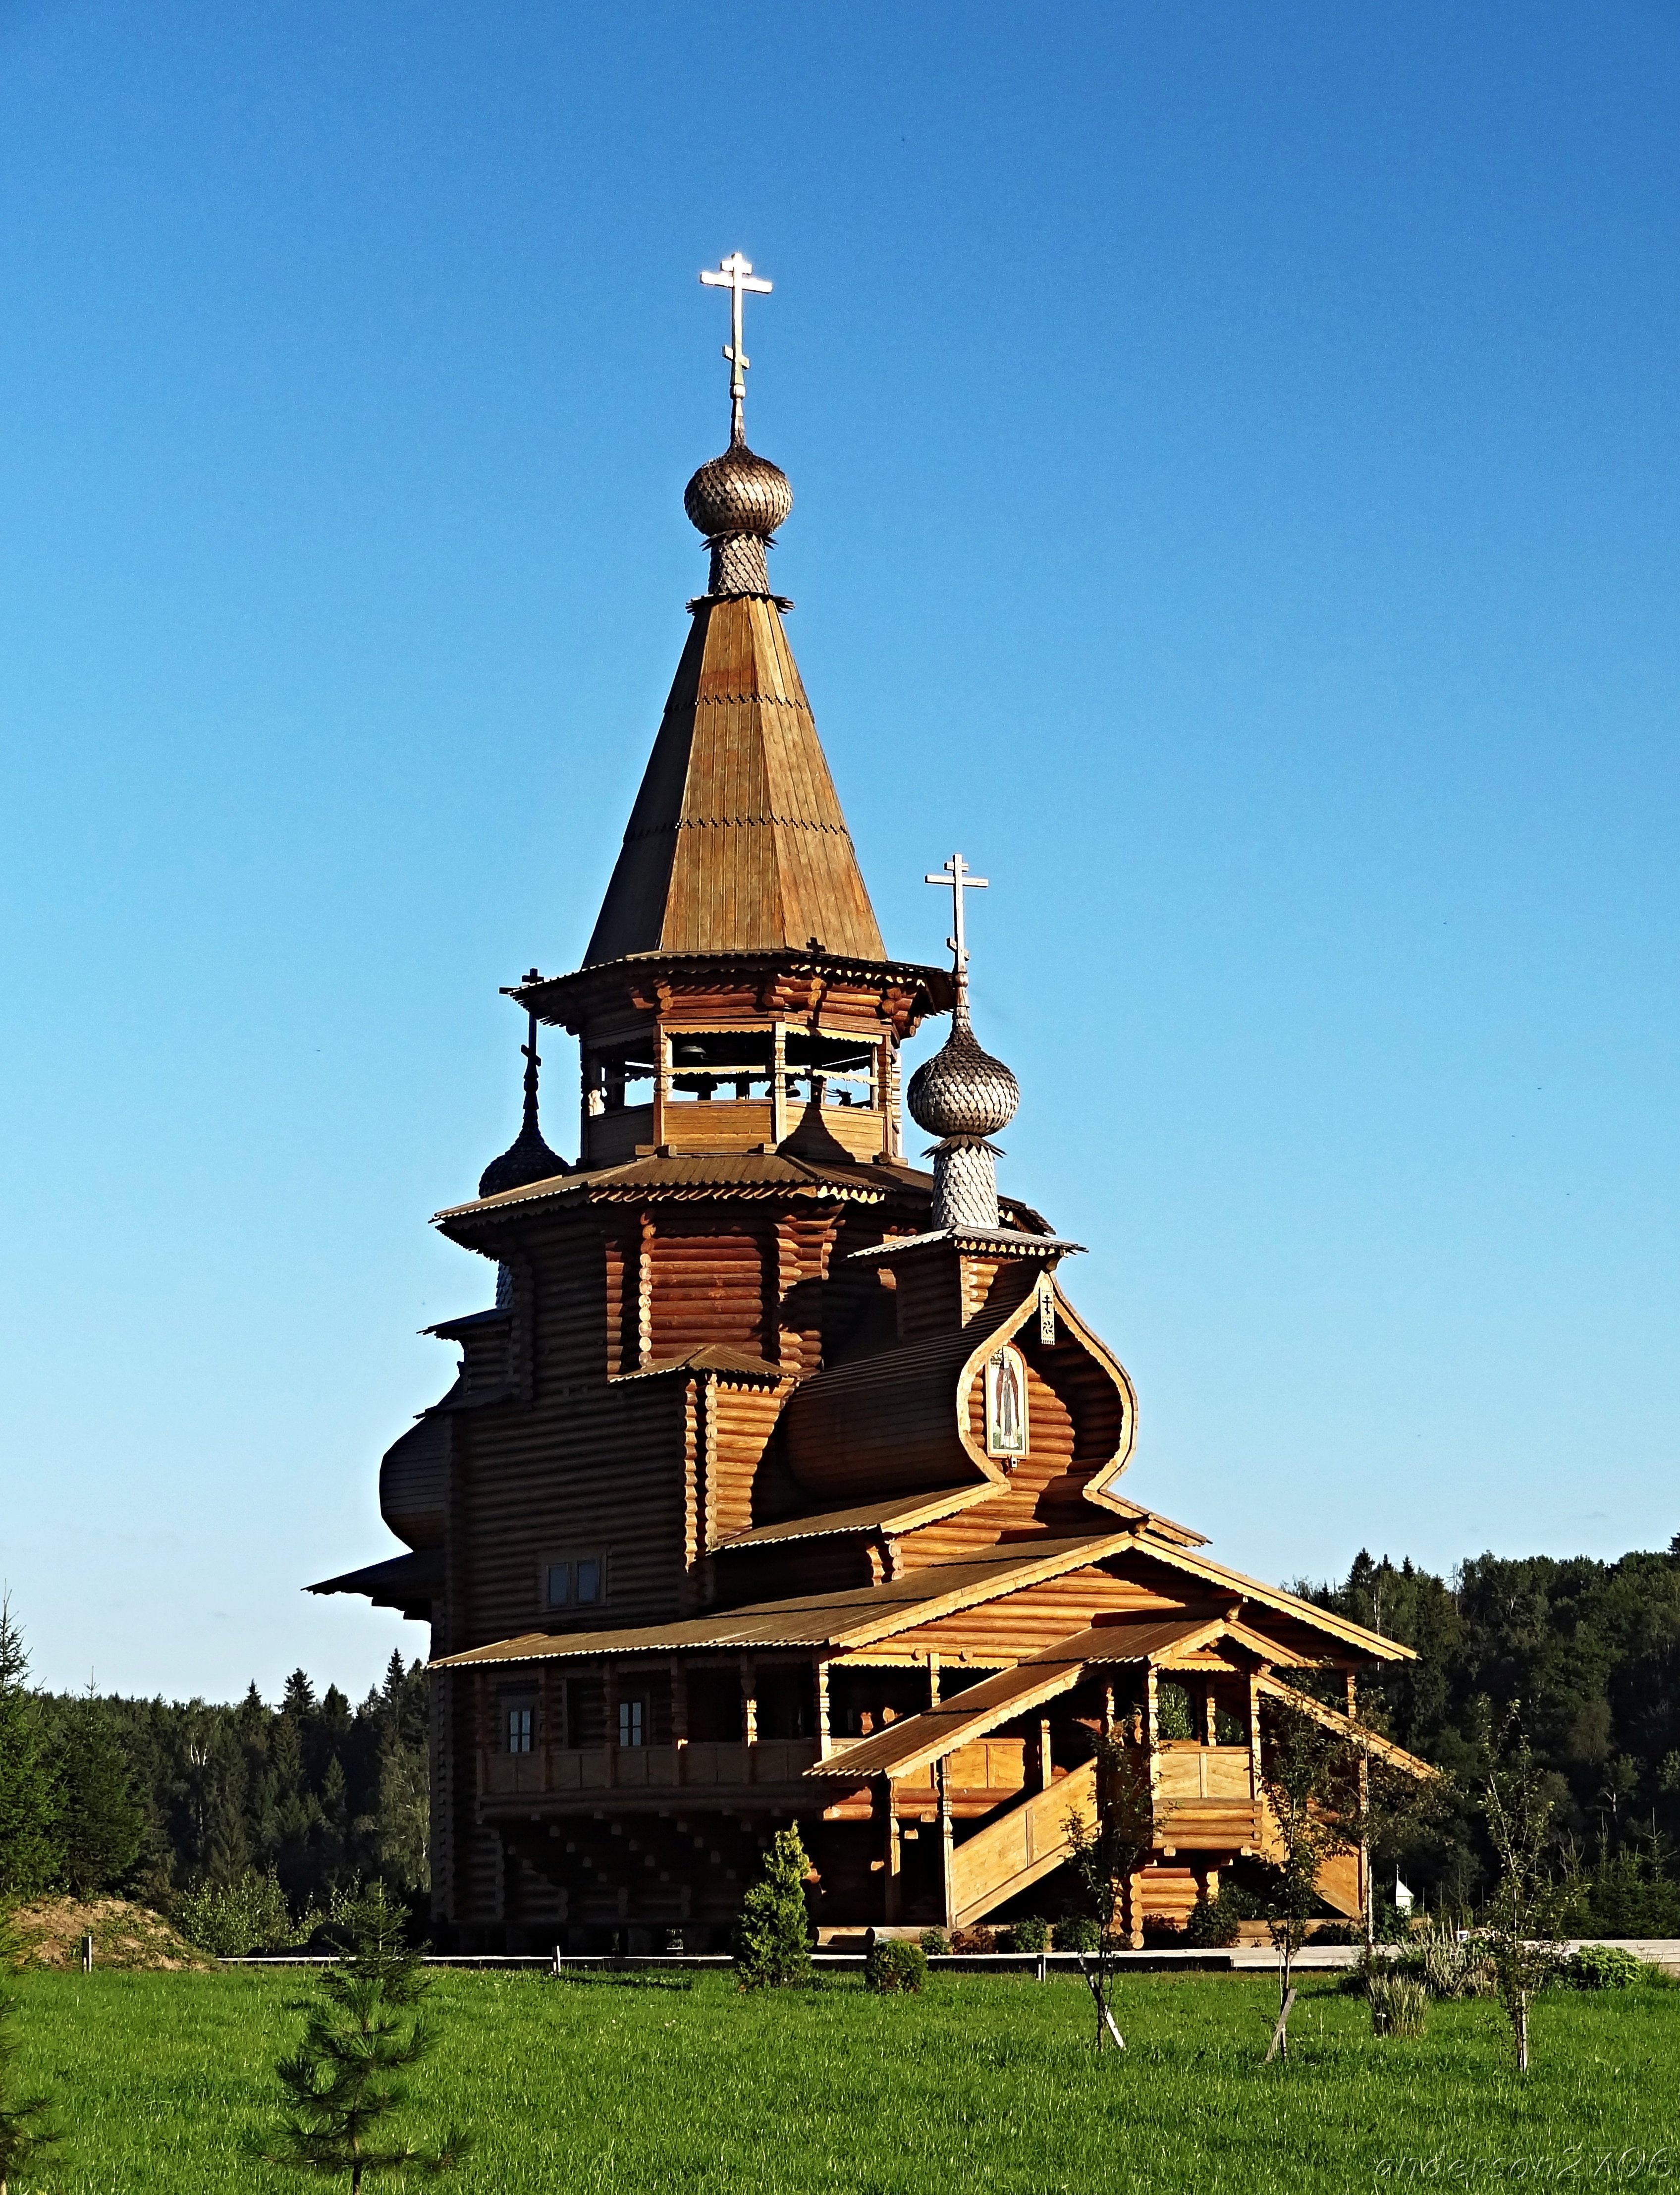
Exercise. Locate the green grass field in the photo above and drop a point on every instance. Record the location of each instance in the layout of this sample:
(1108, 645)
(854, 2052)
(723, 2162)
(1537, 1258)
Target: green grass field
(987, 2084)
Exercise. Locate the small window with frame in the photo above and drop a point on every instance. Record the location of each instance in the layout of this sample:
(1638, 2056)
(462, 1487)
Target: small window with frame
(574, 1582)
(632, 1722)
(519, 1725)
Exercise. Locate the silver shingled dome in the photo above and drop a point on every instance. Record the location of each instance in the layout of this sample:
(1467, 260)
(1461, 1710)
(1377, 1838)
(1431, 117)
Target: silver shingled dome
(963, 1091)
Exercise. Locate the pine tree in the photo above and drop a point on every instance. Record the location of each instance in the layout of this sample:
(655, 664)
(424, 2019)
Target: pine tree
(365, 2030)
(773, 1933)
(30, 1850)
(26, 2133)
(102, 1822)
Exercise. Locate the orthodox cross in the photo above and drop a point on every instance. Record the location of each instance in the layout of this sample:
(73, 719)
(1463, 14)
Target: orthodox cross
(957, 877)
(533, 1062)
(735, 275)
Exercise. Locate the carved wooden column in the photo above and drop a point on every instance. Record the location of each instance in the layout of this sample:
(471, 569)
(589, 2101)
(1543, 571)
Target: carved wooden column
(892, 1904)
(609, 1687)
(1045, 1770)
(749, 1710)
(824, 1742)
(779, 1084)
(933, 1680)
(1209, 1716)
(947, 1885)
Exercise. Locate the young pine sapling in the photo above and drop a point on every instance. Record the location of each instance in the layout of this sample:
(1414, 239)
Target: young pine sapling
(344, 2084)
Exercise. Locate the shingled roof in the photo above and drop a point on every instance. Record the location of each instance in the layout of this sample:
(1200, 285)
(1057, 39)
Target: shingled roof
(736, 843)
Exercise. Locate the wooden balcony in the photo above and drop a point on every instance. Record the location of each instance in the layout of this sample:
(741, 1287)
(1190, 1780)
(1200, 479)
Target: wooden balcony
(560, 1772)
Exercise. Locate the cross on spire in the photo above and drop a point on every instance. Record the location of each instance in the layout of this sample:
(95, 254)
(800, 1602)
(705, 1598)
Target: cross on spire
(957, 877)
(735, 275)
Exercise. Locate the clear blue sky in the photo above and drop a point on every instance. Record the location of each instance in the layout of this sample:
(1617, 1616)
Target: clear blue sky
(1236, 458)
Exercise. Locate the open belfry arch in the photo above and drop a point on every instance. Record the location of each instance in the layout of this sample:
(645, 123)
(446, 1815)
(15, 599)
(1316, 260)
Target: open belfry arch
(781, 1482)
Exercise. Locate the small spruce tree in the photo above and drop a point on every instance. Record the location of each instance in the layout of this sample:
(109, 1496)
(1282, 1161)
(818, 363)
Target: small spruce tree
(773, 1934)
(29, 1848)
(102, 1824)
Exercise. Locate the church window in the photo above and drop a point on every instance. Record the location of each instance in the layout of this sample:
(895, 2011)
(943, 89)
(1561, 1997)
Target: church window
(632, 1715)
(521, 1724)
(574, 1582)
(1006, 1403)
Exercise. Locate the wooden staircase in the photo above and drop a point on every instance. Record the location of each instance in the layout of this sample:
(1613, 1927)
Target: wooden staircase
(1018, 1849)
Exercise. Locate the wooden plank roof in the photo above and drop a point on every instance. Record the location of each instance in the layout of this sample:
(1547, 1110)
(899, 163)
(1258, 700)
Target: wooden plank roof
(903, 1514)
(920, 1738)
(857, 1615)
(700, 1176)
(1370, 1644)
(736, 842)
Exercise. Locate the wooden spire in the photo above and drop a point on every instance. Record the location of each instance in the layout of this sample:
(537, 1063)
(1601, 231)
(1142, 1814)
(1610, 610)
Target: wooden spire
(737, 842)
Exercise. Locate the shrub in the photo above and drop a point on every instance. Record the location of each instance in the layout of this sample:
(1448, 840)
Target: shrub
(1028, 1934)
(231, 1919)
(1602, 1967)
(974, 1939)
(1399, 2005)
(936, 1943)
(773, 1934)
(1451, 1969)
(1077, 1933)
(1216, 1921)
(893, 1966)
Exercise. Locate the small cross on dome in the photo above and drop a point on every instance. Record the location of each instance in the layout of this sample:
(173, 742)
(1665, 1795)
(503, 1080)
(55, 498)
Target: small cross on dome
(735, 275)
(957, 877)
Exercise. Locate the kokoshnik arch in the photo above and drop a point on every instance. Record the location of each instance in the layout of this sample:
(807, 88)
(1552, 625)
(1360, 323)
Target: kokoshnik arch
(782, 1482)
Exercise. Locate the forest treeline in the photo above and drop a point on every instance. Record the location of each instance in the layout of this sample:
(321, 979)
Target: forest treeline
(163, 1801)
(158, 1800)
(1591, 1650)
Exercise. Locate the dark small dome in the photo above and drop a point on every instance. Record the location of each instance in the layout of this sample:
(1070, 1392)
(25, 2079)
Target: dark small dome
(739, 493)
(963, 1091)
(526, 1159)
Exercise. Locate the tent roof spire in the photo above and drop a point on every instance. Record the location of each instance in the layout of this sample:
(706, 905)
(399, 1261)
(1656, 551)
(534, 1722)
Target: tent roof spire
(737, 842)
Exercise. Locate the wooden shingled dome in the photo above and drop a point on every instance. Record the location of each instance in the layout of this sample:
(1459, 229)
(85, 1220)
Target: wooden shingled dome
(736, 843)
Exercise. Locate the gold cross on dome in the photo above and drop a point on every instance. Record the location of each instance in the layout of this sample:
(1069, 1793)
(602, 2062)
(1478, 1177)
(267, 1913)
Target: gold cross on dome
(957, 877)
(735, 275)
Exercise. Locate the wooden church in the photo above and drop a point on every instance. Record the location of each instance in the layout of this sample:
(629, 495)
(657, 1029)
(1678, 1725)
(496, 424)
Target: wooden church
(783, 1482)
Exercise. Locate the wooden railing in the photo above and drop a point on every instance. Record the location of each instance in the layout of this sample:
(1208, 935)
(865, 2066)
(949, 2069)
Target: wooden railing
(549, 1771)
(1012, 1852)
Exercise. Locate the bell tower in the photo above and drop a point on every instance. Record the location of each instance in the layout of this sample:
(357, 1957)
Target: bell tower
(735, 996)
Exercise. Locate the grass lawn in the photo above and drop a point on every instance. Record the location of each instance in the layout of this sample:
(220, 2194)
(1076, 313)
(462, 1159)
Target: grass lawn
(988, 2084)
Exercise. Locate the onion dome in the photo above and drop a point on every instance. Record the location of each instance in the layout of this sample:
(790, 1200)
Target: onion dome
(739, 493)
(963, 1091)
(527, 1158)
(738, 501)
